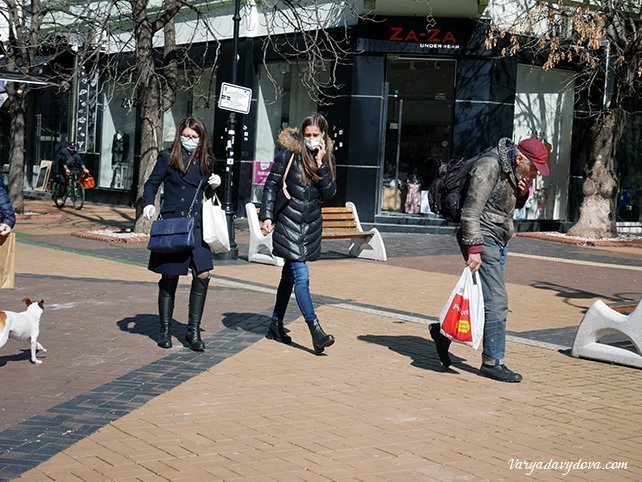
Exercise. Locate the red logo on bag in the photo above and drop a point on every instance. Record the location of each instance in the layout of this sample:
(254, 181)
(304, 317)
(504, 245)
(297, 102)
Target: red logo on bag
(457, 321)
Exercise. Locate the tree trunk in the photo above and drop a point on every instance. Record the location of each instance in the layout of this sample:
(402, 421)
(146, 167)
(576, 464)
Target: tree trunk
(597, 211)
(150, 132)
(17, 146)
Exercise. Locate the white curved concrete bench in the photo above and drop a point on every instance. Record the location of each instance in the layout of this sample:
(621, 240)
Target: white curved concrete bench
(600, 320)
(338, 223)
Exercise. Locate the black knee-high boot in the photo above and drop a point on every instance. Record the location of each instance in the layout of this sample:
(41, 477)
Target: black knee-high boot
(166, 294)
(320, 340)
(197, 296)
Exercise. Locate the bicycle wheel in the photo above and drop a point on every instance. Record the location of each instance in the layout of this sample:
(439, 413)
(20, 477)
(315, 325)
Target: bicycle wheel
(59, 194)
(78, 195)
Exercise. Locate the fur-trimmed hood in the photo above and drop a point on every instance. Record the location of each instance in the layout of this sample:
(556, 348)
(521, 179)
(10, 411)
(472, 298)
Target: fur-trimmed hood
(289, 139)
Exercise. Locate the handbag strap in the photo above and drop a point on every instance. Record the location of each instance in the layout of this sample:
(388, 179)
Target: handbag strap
(191, 206)
(189, 213)
(284, 187)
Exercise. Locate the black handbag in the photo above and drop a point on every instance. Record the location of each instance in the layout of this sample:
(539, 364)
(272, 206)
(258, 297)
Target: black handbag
(174, 235)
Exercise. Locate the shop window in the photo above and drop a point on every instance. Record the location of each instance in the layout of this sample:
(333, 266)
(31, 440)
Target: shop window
(198, 100)
(275, 111)
(420, 107)
(117, 147)
(544, 108)
(629, 168)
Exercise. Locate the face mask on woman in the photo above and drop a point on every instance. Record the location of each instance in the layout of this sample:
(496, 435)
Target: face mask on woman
(189, 144)
(312, 144)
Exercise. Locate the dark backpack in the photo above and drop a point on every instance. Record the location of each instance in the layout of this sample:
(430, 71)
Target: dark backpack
(448, 190)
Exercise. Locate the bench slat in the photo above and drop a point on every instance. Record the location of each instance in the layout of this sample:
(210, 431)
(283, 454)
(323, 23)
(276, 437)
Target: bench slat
(349, 223)
(342, 234)
(332, 217)
(336, 210)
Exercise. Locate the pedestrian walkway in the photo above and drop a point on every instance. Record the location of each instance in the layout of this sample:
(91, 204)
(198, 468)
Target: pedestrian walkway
(107, 404)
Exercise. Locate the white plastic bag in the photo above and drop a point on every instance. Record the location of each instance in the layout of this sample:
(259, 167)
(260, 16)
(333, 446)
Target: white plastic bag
(215, 225)
(462, 317)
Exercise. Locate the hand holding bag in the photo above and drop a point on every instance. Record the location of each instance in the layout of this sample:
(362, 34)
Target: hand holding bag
(462, 317)
(215, 232)
(87, 180)
(173, 235)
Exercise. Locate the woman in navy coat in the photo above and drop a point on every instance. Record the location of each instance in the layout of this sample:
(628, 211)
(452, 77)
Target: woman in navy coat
(185, 169)
(7, 216)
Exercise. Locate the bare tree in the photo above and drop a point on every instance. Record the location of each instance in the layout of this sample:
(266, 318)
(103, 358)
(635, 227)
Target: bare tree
(603, 39)
(36, 29)
(315, 35)
(24, 22)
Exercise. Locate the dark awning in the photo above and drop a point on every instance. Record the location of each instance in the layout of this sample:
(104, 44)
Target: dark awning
(8, 76)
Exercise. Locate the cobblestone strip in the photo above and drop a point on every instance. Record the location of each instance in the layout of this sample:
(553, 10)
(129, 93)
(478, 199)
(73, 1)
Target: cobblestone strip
(35, 440)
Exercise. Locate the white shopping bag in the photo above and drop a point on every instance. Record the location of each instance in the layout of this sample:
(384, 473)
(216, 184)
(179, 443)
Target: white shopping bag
(215, 232)
(462, 317)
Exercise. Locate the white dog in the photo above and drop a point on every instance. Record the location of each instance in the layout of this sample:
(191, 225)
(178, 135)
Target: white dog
(22, 326)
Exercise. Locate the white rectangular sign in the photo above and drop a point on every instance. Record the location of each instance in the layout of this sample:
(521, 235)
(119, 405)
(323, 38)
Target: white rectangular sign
(235, 98)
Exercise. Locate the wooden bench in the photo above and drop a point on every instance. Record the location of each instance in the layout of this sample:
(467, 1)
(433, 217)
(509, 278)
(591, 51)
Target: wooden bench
(338, 223)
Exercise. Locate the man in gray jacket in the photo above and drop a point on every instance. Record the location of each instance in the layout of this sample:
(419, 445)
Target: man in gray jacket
(498, 184)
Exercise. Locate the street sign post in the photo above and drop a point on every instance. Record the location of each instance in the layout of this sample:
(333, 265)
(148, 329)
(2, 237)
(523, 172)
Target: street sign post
(235, 98)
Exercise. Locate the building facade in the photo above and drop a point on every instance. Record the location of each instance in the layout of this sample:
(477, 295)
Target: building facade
(419, 88)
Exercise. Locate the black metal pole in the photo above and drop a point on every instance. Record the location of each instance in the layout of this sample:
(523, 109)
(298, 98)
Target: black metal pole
(230, 151)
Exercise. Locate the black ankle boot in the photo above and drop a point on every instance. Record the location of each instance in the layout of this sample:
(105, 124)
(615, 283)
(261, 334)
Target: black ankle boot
(442, 343)
(320, 340)
(276, 332)
(197, 296)
(166, 293)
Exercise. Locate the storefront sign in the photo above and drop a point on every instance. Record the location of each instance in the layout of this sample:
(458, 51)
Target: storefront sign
(87, 113)
(413, 34)
(261, 171)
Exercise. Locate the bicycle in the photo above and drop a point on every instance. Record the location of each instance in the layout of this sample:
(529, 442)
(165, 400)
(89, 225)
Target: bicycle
(73, 190)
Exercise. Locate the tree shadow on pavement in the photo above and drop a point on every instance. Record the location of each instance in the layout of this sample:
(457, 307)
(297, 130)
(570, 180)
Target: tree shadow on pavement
(421, 350)
(570, 294)
(257, 323)
(147, 325)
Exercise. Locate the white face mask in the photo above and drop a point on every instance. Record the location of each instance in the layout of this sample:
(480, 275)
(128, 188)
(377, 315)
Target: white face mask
(312, 144)
(189, 144)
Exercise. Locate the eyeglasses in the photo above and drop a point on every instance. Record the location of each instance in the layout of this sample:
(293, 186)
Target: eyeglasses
(193, 137)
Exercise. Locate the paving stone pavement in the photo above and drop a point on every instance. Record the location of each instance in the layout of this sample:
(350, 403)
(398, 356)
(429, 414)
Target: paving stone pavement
(107, 404)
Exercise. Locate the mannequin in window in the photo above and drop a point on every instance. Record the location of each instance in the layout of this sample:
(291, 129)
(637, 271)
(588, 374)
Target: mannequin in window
(119, 147)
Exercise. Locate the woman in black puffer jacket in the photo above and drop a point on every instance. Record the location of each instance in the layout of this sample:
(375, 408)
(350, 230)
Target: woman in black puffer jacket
(307, 164)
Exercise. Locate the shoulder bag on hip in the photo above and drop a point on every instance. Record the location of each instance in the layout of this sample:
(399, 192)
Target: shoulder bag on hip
(174, 235)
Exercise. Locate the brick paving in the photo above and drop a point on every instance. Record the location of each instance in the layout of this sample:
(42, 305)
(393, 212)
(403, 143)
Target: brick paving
(107, 404)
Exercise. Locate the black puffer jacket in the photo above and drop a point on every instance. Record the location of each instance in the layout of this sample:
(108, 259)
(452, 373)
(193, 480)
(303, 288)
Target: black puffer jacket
(297, 236)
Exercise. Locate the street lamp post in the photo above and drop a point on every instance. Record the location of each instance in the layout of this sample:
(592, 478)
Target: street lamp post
(233, 253)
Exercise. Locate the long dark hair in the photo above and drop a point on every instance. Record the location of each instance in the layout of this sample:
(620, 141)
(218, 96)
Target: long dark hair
(307, 157)
(202, 153)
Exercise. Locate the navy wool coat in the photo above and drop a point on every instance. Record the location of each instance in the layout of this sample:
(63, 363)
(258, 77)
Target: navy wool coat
(179, 191)
(7, 215)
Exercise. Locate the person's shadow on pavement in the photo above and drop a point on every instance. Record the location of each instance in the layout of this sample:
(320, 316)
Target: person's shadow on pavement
(257, 323)
(148, 325)
(421, 350)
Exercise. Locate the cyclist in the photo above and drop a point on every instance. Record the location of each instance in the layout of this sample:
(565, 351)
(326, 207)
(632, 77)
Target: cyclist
(68, 160)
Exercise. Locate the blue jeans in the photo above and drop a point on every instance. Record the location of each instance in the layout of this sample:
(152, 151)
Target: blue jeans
(495, 300)
(294, 275)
